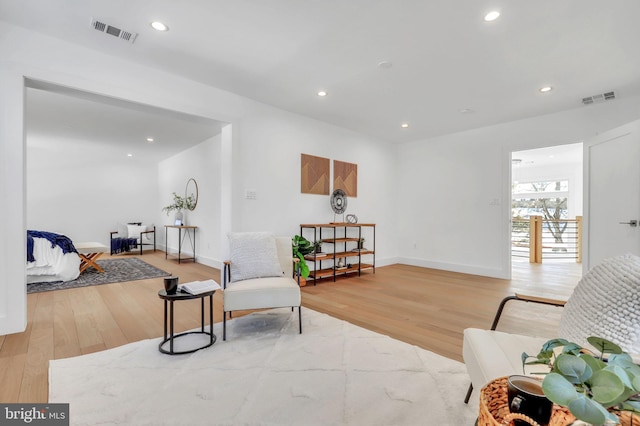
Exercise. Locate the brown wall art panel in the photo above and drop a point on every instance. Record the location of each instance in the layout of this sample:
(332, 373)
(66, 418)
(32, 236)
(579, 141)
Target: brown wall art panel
(314, 175)
(345, 177)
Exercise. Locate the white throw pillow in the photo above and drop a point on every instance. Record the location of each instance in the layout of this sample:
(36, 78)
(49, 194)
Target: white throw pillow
(605, 304)
(253, 255)
(135, 230)
(123, 230)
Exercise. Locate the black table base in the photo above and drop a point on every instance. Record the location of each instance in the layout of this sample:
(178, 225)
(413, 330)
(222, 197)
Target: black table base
(169, 337)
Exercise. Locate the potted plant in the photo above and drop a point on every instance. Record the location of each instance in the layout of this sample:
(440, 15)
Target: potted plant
(179, 204)
(301, 247)
(592, 386)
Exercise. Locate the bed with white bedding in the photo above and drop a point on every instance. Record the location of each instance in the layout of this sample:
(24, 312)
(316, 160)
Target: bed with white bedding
(51, 257)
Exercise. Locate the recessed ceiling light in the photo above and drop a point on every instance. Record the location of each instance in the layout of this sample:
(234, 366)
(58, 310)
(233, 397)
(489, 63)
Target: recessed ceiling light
(546, 89)
(159, 26)
(404, 125)
(465, 111)
(150, 140)
(492, 16)
(129, 155)
(385, 64)
(322, 93)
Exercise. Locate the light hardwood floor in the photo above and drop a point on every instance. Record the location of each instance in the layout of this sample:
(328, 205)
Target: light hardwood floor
(425, 307)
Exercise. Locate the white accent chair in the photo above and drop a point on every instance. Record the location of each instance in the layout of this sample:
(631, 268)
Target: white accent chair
(259, 275)
(605, 303)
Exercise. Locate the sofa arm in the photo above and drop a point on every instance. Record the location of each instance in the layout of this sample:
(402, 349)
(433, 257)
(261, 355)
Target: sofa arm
(547, 299)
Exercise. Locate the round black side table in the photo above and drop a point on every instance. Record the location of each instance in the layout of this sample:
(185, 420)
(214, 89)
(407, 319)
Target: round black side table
(168, 300)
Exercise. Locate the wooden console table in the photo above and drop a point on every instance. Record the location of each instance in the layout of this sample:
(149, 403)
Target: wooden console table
(181, 238)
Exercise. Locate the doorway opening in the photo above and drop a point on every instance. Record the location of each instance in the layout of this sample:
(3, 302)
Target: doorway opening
(546, 211)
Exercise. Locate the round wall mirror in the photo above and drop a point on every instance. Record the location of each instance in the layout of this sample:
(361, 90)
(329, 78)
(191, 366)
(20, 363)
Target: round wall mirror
(192, 189)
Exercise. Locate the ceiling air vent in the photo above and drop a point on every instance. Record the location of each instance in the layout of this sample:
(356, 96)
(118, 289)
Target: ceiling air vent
(114, 31)
(599, 98)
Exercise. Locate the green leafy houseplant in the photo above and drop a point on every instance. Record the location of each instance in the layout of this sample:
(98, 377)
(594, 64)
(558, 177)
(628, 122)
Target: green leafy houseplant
(180, 203)
(301, 247)
(591, 386)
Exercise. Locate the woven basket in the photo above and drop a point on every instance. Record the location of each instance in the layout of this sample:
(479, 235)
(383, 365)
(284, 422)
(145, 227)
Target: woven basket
(494, 409)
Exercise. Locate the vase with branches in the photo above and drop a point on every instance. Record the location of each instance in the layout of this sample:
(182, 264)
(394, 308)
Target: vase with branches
(180, 203)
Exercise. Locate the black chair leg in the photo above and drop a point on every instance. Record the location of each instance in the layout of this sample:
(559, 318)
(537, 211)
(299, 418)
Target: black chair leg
(224, 326)
(300, 317)
(466, 398)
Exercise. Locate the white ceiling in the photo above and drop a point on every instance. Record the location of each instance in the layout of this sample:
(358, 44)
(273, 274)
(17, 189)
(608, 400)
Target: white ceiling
(444, 57)
(74, 119)
(561, 154)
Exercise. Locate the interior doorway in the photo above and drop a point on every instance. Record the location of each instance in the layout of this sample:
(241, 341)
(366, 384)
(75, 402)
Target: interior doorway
(546, 211)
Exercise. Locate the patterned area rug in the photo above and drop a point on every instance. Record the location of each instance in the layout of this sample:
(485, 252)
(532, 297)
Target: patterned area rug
(115, 271)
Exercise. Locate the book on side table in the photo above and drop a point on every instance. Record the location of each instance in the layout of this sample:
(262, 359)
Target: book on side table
(199, 287)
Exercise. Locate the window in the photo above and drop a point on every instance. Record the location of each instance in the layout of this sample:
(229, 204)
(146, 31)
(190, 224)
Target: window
(547, 199)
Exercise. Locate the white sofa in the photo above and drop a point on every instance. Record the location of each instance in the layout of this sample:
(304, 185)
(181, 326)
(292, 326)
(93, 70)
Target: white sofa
(259, 275)
(605, 303)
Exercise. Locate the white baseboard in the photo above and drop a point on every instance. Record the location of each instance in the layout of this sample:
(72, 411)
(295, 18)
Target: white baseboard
(456, 267)
(453, 267)
(388, 261)
(214, 263)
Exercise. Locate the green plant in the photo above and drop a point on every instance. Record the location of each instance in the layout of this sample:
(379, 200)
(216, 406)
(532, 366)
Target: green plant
(301, 247)
(181, 203)
(589, 385)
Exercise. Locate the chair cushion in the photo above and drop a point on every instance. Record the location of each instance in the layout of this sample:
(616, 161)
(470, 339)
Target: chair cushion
(253, 255)
(271, 292)
(605, 304)
(491, 354)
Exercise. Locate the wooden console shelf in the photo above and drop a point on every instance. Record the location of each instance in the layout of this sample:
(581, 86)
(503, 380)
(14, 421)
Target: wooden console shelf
(340, 242)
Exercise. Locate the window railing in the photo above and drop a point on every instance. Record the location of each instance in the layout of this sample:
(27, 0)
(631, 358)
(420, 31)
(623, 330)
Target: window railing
(538, 239)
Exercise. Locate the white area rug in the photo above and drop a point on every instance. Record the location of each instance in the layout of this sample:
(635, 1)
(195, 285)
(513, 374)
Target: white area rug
(335, 373)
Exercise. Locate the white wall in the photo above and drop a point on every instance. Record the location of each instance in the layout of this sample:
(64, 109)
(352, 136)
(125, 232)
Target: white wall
(455, 189)
(13, 244)
(268, 155)
(201, 163)
(262, 152)
(83, 193)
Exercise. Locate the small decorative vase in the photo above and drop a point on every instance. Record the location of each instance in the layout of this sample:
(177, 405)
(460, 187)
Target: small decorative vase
(178, 216)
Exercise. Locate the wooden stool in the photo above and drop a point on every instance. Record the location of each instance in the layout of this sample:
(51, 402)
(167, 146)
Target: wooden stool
(89, 253)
